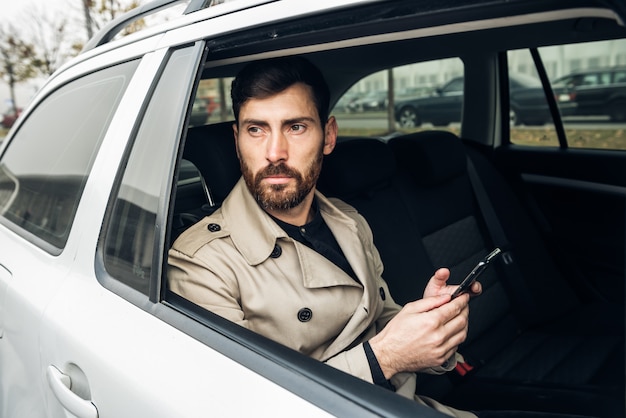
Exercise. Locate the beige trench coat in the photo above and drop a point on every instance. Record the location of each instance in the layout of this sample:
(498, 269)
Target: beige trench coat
(239, 264)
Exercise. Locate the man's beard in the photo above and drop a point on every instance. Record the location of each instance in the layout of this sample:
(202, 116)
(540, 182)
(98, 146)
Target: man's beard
(277, 197)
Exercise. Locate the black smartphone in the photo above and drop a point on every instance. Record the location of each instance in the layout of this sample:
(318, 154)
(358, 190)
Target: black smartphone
(476, 271)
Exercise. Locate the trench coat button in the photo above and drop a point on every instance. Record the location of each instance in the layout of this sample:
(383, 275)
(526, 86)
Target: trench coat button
(305, 315)
(382, 293)
(276, 252)
(214, 227)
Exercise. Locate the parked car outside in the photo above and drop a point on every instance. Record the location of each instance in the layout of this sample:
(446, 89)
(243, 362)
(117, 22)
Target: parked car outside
(105, 168)
(440, 108)
(411, 92)
(346, 102)
(372, 101)
(444, 105)
(593, 92)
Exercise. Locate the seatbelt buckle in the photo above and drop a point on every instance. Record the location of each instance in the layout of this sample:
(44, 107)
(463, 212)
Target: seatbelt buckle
(463, 368)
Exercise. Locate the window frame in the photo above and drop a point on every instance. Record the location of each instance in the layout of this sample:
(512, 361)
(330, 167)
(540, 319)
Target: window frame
(155, 291)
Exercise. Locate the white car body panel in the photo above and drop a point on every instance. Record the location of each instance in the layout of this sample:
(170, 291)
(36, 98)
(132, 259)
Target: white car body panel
(162, 373)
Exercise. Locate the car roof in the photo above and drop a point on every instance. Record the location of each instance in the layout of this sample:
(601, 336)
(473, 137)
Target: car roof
(396, 32)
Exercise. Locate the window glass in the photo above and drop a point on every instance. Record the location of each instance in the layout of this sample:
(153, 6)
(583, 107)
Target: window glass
(212, 102)
(131, 232)
(45, 168)
(590, 99)
(424, 95)
(531, 121)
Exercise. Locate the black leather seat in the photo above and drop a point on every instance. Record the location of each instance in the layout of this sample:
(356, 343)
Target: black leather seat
(545, 351)
(532, 341)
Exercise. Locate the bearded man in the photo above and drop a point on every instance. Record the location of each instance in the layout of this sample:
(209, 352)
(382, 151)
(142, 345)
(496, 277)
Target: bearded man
(281, 259)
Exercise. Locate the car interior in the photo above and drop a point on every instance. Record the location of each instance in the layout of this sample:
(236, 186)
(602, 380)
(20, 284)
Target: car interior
(547, 332)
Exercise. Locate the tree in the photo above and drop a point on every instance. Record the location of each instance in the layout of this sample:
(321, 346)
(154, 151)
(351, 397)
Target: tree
(16, 60)
(98, 12)
(48, 34)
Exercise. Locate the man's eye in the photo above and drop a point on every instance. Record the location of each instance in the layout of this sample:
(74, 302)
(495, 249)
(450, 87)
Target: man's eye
(254, 130)
(298, 127)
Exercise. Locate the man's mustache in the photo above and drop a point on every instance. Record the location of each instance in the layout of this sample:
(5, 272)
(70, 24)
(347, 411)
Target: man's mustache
(278, 169)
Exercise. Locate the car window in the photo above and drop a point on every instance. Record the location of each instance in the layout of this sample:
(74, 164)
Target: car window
(214, 94)
(418, 100)
(592, 108)
(45, 167)
(132, 227)
(590, 80)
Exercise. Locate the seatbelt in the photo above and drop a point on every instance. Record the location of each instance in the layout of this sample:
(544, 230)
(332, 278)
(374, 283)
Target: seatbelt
(521, 295)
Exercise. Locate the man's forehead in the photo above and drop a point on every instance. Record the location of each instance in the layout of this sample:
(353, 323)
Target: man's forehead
(296, 101)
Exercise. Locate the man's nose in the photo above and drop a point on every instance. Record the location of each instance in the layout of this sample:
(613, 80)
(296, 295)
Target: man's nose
(277, 147)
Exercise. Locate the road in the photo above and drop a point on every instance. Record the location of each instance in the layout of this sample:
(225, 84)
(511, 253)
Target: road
(378, 120)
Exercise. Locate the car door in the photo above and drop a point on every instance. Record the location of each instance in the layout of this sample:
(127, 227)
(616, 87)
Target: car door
(103, 351)
(43, 171)
(574, 176)
(74, 341)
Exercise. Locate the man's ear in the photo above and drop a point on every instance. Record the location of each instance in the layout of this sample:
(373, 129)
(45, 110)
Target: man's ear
(330, 135)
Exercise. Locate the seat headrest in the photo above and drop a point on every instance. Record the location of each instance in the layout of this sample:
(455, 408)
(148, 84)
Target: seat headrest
(356, 167)
(211, 148)
(430, 157)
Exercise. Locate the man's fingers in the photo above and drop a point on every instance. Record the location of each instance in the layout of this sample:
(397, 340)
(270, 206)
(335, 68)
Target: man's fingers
(476, 289)
(441, 276)
(427, 304)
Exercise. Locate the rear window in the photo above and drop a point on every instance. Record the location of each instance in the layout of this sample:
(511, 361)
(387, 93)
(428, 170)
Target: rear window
(46, 165)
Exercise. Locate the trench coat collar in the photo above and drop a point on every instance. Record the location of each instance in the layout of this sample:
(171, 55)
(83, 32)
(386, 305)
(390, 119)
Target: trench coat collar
(255, 234)
(253, 231)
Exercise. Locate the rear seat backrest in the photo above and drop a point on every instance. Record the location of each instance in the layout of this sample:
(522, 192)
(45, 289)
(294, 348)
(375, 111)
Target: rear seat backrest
(448, 220)
(211, 148)
(362, 172)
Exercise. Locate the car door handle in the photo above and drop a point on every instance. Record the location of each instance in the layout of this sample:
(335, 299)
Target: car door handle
(61, 384)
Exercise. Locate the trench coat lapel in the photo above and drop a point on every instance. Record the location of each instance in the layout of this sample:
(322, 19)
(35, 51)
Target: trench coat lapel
(253, 232)
(348, 236)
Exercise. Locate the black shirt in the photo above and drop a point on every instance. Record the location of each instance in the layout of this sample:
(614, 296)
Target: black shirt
(318, 236)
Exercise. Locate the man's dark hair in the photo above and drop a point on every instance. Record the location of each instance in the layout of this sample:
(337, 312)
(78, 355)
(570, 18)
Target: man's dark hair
(265, 78)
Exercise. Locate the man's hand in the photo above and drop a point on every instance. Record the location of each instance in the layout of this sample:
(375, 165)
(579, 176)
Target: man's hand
(426, 332)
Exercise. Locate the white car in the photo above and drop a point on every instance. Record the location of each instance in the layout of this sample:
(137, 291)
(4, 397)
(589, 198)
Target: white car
(98, 176)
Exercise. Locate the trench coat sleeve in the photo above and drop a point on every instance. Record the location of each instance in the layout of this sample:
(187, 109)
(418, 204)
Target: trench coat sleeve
(198, 282)
(202, 284)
